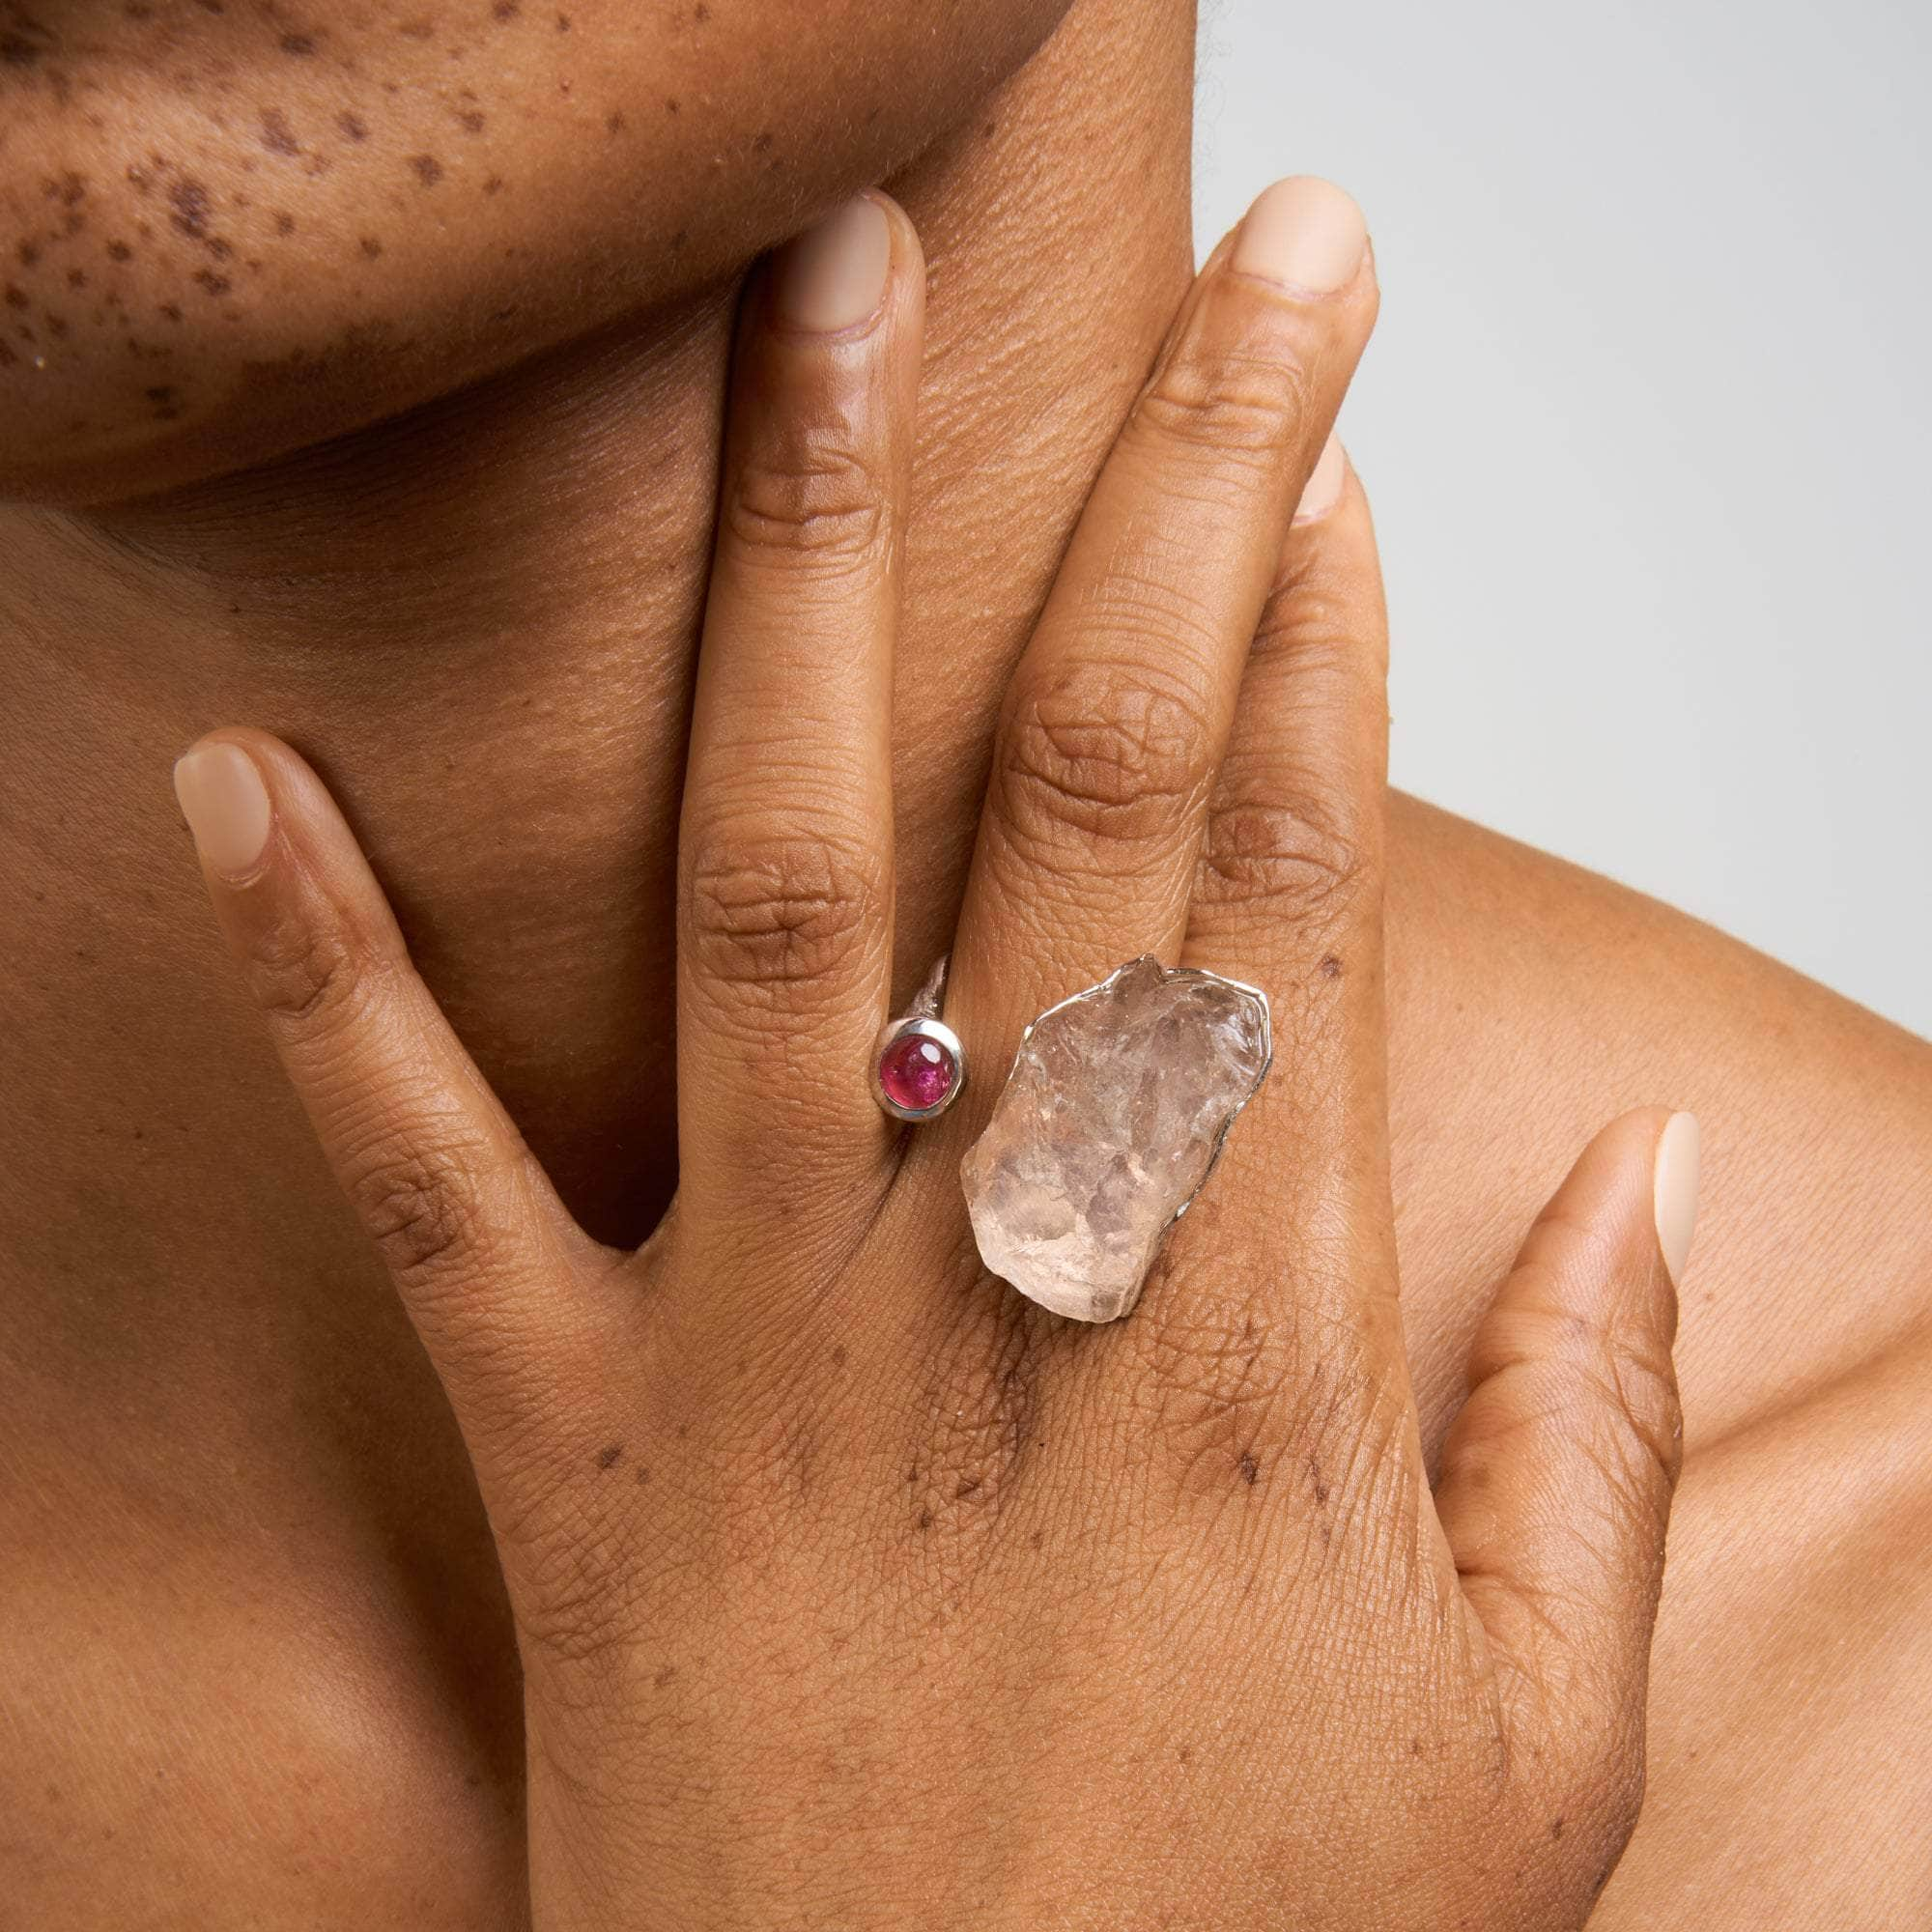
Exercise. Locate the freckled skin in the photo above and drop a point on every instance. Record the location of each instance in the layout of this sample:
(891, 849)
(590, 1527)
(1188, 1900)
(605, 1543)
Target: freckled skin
(608, 191)
(473, 617)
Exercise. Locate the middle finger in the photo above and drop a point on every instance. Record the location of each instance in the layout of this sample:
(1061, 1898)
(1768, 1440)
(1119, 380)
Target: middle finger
(1119, 714)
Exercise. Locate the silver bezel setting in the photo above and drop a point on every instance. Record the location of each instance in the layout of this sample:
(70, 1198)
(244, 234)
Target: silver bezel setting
(924, 1028)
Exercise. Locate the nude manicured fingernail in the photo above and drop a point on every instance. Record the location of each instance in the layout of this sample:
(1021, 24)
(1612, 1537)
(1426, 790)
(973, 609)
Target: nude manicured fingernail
(1323, 487)
(225, 803)
(1305, 234)
(834, 274)
(1678, 1149)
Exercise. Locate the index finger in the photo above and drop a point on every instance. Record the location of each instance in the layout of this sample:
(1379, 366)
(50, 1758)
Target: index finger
(482, 1251)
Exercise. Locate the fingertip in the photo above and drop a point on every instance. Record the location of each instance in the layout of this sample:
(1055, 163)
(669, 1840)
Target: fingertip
(834, 277)
(1675, 1186)
(224, 798)
(1652, 1157)
(1328, 579)
(1326, 483)
(1304, 234)
(907, 249)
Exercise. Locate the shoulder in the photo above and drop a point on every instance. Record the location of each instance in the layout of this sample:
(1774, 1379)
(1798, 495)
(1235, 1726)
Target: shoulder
(1792, 1670)
(1531, 1000)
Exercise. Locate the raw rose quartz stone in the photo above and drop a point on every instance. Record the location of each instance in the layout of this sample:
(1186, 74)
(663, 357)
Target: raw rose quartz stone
(1116, 1107)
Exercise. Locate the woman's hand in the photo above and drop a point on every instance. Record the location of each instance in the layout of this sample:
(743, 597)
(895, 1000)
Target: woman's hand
(852, 1590)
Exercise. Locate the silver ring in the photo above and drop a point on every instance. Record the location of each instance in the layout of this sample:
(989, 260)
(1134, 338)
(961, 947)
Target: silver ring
(918, 1067)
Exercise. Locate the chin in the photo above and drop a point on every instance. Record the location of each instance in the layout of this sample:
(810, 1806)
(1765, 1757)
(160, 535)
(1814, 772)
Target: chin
(229, 231)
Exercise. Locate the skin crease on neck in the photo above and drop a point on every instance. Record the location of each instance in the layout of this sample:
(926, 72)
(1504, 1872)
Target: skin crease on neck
(437, 510)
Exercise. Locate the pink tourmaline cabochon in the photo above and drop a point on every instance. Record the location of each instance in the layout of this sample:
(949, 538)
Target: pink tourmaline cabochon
(917, 1073)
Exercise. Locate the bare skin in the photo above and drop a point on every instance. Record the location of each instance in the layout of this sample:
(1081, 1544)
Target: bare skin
(261, 1654)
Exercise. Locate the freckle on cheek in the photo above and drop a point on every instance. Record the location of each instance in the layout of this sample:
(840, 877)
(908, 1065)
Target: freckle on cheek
(278, 136)
(189, 201)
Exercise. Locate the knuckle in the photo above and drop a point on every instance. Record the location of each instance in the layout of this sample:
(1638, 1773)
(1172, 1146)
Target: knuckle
(417, 1204)
(1103, 753)
(1646, 1393)
(307, 972)
(1239, 404)
(1325, 614)
(811, 503)
(778, 905)
(1301, 853)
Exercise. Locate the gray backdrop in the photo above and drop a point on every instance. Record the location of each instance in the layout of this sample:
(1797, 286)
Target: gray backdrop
(1644, 424)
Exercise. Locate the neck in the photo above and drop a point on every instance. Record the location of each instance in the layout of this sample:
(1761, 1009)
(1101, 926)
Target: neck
(478, 622)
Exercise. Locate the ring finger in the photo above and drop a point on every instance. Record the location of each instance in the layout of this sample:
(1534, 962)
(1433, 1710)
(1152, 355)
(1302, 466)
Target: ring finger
(784, 874)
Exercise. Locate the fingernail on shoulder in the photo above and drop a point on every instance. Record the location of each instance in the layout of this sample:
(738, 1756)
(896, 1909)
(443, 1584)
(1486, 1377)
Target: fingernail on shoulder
(1304, 233)
(1679, 1149)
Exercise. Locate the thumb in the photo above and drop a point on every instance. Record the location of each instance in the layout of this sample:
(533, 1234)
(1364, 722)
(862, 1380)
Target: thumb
(1558, 1473)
